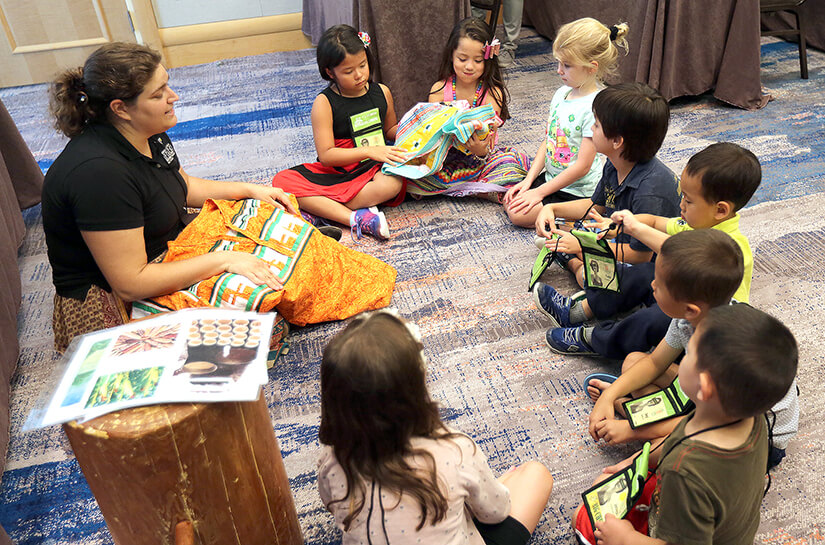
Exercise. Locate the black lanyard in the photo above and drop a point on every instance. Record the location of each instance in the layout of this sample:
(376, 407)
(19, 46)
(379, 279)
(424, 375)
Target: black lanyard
(679, 442)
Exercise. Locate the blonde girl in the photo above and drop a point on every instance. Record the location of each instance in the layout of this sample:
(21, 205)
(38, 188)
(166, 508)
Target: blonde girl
(587, 51)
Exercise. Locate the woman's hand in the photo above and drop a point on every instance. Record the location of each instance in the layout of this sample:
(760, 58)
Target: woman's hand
(392, 155)
(255, 269)
(525, 201)
(275, 196)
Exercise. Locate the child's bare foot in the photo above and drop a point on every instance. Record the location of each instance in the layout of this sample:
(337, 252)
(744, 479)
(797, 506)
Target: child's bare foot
(597, 383)
(614, 432)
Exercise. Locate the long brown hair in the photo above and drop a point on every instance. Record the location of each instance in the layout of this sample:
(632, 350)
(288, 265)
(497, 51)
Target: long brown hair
(374, 399)
(116, 70)
(491, 79)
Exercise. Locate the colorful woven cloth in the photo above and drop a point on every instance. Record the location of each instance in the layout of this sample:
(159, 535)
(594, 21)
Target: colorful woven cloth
(322, 279)
(464, 175)
(429, 130)
(439, 162)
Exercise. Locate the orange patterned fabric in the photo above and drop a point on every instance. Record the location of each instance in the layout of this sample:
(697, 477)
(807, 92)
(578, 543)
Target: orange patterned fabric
(323, 280)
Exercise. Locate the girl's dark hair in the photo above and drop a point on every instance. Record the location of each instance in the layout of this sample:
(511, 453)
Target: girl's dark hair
(374, 399)
(491, 79)
(335, 43)
(116, 70)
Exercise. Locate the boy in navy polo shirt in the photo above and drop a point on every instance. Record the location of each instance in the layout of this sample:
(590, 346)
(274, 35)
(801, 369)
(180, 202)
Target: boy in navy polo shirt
(631, 123)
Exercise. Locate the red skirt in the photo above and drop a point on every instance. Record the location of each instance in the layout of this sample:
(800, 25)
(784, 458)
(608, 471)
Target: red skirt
(341, 183)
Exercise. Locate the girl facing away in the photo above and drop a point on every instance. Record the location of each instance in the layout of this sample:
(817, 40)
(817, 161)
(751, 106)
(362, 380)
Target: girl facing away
(586, 52)
(351, 121)
(390, 470)
(470, 72)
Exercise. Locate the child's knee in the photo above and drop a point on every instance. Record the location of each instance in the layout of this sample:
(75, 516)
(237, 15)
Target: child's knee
(521, 219)
(537, 473)
(631, 360)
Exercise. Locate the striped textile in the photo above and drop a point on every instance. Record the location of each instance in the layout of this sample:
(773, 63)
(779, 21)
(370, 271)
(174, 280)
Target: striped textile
(429, 130)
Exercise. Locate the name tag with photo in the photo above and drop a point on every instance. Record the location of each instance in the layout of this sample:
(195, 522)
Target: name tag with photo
(367, 128)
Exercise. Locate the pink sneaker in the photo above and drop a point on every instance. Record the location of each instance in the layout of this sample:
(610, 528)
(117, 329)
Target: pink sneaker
(369, 221)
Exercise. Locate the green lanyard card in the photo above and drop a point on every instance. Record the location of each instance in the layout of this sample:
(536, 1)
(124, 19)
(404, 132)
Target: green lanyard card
(658, 406)
(617, 494)
(599, 262)
(543, 261)
(367, 129)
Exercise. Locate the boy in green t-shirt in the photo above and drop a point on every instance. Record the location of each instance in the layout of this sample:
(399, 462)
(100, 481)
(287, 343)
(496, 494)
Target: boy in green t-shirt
(716, 183)
(710, 472)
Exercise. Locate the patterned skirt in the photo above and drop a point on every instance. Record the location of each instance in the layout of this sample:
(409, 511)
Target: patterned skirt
(99, 310)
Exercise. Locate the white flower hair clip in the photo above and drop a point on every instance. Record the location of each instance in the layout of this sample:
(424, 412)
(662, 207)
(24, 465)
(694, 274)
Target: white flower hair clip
(365, 38)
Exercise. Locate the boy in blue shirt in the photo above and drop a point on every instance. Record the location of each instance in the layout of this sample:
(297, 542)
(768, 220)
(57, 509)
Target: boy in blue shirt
(716, 183)
(631, 121)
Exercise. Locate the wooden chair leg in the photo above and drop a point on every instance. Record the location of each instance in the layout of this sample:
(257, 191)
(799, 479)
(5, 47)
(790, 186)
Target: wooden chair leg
(803, 50)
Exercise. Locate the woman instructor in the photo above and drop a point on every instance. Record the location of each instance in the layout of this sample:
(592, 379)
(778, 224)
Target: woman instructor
(117, 194)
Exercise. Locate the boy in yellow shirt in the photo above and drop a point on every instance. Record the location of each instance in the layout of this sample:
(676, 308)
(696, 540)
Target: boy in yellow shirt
(716, 183)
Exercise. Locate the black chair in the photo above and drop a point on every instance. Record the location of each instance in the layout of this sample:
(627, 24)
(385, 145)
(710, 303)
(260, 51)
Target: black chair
(494, 7)
(793, 6)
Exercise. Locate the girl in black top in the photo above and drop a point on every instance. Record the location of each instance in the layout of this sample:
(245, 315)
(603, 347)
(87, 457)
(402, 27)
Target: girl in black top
(351, 121)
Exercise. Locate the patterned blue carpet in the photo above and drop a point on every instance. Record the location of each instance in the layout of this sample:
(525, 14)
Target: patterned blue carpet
(462, 273)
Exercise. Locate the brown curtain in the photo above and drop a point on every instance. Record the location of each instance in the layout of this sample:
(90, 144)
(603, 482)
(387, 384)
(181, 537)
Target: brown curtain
(680, 47)
(20, 184)
(407, 42)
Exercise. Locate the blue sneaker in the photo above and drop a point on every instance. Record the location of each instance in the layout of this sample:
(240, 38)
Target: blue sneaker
(555, 305)
(371, 222)
(568, 340)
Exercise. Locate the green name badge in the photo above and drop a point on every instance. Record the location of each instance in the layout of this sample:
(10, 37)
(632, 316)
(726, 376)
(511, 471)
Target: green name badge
(543, 260)
(367, 129)
(600, 267)
(617, 494)
(658, 406)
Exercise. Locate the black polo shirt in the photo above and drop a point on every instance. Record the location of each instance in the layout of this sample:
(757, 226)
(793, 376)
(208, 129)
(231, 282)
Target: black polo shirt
(100, 182)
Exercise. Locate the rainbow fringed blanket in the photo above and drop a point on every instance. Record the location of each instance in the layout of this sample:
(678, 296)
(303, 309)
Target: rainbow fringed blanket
(429, 130)
(438, 160)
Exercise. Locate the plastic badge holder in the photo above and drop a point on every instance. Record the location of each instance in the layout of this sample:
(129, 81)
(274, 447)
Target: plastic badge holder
(658, 406)
(599, 262)
(620, 492)
(367, 129)
(543, 261)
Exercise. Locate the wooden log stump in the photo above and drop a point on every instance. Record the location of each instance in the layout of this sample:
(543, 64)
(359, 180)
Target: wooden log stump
(215, 467)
